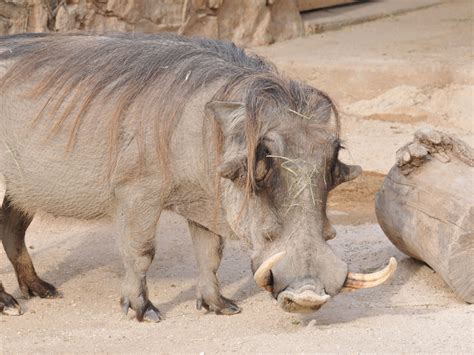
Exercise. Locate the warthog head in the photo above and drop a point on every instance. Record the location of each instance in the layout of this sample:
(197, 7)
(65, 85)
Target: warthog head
(278, 165)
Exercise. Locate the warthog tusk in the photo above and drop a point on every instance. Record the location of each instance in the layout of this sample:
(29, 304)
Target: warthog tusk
(264, 273)
(355, 280)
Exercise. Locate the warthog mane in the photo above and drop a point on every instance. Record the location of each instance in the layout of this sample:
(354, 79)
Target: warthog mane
(157, 73)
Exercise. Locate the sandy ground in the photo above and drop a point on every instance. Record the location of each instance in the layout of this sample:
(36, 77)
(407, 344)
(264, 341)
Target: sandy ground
(389, 77)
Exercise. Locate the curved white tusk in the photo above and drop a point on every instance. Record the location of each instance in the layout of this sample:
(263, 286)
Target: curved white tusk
(263, 273)
(355, 280)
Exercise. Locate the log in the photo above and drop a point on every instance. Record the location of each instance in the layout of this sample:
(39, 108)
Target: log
(426, 206)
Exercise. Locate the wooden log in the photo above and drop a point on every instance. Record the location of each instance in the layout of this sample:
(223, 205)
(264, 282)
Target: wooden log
(426, 207)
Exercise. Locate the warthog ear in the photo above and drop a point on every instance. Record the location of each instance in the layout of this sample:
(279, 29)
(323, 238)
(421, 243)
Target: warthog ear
(343, 173)
(230, 116)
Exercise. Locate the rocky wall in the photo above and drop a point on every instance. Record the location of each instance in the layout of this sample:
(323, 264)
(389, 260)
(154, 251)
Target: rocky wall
(246, 22)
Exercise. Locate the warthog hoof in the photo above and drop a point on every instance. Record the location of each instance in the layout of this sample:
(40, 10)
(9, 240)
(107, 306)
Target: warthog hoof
(8, 305)
(38, 288)
(221, 305)
(144, 312)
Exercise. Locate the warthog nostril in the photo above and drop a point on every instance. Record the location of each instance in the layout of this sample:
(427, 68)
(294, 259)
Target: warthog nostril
(303, 300)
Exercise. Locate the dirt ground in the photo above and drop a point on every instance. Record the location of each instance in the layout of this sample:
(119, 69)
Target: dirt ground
(390, 77)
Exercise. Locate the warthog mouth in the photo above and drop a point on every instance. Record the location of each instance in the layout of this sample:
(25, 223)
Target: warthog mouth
(305, 299)
(308, 298)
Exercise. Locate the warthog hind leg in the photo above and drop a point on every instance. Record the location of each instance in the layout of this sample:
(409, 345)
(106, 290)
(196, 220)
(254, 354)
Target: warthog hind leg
(208, 249)
(137, 218)
(13, 227)
(8, 305)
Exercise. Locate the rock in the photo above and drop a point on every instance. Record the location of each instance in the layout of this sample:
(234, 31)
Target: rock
(246, 22)
(18, 16)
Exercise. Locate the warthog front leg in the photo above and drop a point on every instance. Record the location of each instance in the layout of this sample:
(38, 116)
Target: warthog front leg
(8, 305)
(208, 249)
(137, 220)
(14, 225)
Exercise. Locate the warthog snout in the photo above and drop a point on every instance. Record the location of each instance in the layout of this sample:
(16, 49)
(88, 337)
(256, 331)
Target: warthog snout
(306, 296)
(310, 294)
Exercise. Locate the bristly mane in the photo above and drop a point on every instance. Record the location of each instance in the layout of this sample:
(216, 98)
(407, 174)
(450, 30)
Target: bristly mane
(131, 68)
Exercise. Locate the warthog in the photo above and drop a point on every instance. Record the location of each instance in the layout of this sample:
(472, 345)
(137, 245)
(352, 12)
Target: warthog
(126, 126)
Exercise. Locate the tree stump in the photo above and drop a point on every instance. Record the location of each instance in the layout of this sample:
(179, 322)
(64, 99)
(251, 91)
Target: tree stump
(426, 207)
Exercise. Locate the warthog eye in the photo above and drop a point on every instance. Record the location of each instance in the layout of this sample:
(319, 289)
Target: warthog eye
(263, 167)
(261, 170)
(334, 167)
(340, 172)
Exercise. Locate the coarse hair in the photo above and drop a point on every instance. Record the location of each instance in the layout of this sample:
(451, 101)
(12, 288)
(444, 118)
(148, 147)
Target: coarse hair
(161, 70)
